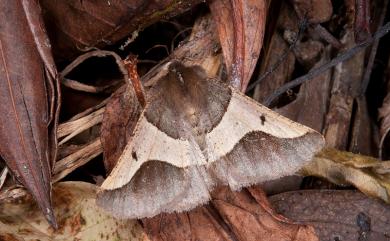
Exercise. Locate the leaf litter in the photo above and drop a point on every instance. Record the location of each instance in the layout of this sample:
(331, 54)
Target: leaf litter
(303, 38)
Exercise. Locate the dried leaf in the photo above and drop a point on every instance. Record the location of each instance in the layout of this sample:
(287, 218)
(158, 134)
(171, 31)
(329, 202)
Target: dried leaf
(347, 80)
(232, 216)
(337, 215)
(198, 224)
(308, 52)
(310, 106)
(362, 20)
(78, 218)
(120, 116)
(202, 48)
(282, 73)
(315, 11)
(28, 93)
(368, 174)
(76, 26)
(241, 211)
(242, 40)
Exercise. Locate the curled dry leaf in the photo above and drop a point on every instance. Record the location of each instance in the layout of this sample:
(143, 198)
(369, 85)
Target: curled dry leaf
(76, 26)
(232, 216)
(120, 116)
(78, 218)
(198, 224)
(369, 175)
(240, 211)
(76, 85)
(337, 215)
(315, 11)
(242, 40)
(29, 97)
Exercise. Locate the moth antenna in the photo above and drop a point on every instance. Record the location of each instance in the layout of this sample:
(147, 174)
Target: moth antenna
(131, 66)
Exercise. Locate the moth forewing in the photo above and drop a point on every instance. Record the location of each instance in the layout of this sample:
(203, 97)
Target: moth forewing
(244, 115)
(151, 144)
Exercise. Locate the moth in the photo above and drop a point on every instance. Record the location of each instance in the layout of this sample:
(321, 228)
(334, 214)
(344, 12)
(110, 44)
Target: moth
(194, 134)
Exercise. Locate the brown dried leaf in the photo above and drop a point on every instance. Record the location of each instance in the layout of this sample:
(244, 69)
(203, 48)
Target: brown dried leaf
(337, 215)
(241, 211)
(202, 48)
(120, 116)
(368, 174)
(76, 26)
(277, 47)
(28, 93)
(78, 218)
(232, 216)
(315, 11)
(198, 224)
(347, 80)
(362, 20)
(308, 52)
(241, 40)
(310, 106)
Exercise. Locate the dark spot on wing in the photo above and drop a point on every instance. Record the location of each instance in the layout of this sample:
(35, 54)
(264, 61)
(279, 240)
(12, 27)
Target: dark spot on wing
(134, 155)
(262, 119)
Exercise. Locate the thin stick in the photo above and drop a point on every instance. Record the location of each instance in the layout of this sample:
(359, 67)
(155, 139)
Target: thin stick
(76, 85)
(3, 176)
(96, 53)
(82, 156)
(328, 37)
(302, 27)
(343, 57)
(131, 65)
